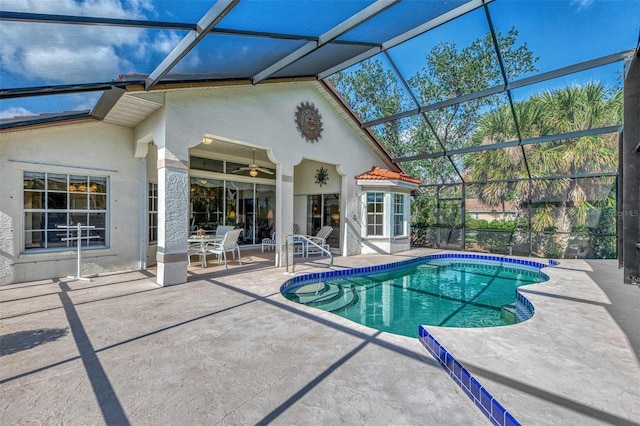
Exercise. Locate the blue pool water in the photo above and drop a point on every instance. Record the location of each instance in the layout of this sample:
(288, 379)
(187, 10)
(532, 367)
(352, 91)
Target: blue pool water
(467, 291)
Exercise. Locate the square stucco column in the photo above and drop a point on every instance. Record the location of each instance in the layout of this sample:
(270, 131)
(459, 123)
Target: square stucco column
(284, 210)
(173, 205)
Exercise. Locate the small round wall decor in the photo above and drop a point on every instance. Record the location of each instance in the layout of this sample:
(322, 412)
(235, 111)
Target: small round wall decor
(309, 122)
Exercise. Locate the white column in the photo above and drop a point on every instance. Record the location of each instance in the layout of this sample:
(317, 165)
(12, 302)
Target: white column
(173, 207)
(284, 209)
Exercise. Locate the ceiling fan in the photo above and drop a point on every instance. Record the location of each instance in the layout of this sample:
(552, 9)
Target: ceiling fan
(253, 167)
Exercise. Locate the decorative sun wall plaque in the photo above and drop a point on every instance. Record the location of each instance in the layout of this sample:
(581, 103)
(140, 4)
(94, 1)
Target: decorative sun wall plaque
(322, 176)
(309, 122)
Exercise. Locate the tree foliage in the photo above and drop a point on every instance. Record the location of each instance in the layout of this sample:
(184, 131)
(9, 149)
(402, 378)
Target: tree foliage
(375, 91)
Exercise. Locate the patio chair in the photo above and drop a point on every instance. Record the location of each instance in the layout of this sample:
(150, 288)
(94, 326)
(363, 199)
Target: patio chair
(194, 248)
(221, 230)
(320, 239)
(269, 243)
(228, 244)
(299, 245)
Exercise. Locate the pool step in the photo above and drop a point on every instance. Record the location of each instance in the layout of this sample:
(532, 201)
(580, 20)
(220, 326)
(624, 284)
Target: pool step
(509, 313)
(310, 289)
(329, 292)
(331, 298)
(348, 296)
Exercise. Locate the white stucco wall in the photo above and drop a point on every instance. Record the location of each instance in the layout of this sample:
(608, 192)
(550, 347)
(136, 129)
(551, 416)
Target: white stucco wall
(264, 116)
(96, 149)
(261, 115)
(386, 243)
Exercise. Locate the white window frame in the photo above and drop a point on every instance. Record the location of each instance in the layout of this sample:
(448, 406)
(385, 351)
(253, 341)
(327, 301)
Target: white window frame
(398, 215)
(378, 215)
(71, 191)
(152, 206)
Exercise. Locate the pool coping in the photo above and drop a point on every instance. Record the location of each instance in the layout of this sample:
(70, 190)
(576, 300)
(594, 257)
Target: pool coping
(482, 398)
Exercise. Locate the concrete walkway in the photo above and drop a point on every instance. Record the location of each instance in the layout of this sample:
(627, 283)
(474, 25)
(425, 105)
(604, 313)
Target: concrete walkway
(227, 348)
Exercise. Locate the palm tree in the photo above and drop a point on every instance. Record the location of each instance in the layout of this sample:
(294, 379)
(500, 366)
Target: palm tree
(559, 203)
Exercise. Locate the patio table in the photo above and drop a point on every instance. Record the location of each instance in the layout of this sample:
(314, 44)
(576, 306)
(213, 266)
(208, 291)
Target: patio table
(204, 240)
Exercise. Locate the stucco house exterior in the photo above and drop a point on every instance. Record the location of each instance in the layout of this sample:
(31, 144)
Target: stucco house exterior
(143, 169)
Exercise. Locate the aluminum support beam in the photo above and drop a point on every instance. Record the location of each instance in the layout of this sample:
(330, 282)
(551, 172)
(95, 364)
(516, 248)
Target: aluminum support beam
(90, 20)
(208, 21)
(445, 17)
(335, 32)
(560, 72)
(509, 144)
(629, 213)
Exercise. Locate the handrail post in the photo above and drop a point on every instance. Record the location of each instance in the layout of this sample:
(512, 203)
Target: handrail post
(304, 238)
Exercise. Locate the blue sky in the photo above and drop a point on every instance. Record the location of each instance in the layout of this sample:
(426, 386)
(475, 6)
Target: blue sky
(560, 32)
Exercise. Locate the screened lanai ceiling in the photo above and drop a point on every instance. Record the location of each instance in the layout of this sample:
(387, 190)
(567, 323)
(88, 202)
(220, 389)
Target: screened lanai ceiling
(437, 82)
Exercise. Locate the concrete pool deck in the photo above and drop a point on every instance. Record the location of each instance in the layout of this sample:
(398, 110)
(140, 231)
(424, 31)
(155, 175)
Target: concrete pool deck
(227, 348)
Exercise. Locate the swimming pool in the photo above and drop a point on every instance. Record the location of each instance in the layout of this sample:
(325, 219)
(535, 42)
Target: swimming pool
(450, 290)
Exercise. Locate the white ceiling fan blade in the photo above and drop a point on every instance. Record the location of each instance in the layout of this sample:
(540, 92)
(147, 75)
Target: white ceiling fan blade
(267, 171)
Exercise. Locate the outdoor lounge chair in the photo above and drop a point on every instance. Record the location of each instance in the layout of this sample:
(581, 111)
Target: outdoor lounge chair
(228, 244)
(320, 239)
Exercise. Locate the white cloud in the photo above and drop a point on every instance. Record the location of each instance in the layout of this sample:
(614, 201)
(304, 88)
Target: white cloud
(581, 4)
(15, 112)
(59, 54)
(166, 41)
(133, 9)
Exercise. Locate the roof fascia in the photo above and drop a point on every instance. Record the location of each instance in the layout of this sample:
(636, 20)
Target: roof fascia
(380, 149)
(38, 123)
(387, 183)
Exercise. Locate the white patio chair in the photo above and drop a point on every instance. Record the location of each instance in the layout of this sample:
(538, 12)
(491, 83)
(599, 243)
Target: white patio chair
(320, 239)
(299, 245)
(221, 230)
(269, 243)
(194, 248)
(228, 244)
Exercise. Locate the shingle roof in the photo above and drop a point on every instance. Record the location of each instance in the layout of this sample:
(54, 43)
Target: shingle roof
(378, 173)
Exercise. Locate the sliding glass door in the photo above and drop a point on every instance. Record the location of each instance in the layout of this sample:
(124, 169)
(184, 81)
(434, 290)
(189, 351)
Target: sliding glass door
(324, 210)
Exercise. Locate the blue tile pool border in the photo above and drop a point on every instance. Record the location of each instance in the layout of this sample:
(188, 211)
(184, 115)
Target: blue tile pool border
(481, 397)
(304, 279)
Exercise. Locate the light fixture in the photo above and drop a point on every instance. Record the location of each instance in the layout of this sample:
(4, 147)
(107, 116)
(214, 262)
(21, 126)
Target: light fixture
(82, 187)
(232, 214)
(207, 141)
(72, 187)
(253, 172)
(270, 214)
(203, 181)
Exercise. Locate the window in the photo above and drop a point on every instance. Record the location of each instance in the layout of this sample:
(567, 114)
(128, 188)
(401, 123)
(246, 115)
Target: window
(375, 213)
(52, 200)
(153, 213)
(398, 215)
